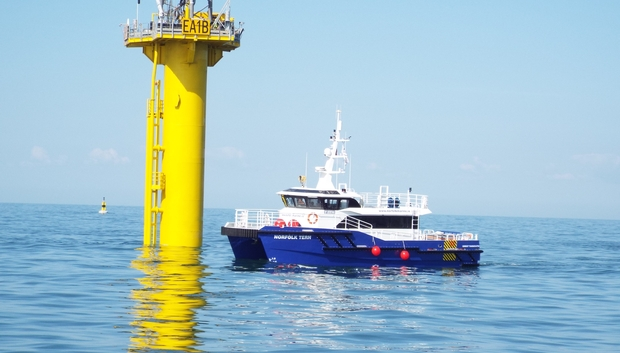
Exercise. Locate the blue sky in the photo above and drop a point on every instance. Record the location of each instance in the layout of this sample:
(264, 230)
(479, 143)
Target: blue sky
(491, 108)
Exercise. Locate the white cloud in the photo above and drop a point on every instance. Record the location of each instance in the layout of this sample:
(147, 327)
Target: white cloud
(479, 165)
(107, 156)
(372, 166)
(229, 152)
(40, 154)
(468, 167)
(564, 176)
(597, 159)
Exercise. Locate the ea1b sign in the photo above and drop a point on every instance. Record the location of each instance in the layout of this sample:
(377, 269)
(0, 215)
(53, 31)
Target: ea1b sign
(192, 27)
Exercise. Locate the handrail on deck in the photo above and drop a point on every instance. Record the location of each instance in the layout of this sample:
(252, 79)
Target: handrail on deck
(245, 218)
(394, 200)
(351, 222)
(258, 218)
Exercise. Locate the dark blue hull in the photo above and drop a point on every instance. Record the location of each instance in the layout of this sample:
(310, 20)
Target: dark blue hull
(335, 247)
(247, 248)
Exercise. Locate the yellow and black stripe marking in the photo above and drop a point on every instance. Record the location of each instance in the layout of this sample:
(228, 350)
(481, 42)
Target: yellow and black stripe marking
(448, 245)
(449, 257)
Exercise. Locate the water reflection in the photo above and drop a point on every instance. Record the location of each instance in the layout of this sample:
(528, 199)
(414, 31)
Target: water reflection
(373, 272)
(166, 304)
(353, 309)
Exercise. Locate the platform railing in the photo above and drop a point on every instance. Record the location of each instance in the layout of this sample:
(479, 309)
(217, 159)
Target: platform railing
(157, 28)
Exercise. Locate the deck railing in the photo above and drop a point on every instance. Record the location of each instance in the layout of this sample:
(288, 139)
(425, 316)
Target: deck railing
(417, 234)
(384, 199)
(350, 222)
(255, 219)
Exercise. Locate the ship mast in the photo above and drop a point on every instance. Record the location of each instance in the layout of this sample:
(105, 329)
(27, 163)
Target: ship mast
(332, 153)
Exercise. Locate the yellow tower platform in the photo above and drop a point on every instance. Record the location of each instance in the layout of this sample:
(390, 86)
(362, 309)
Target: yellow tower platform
(185, 43)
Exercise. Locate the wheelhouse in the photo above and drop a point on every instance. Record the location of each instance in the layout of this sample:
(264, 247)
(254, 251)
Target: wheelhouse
(320, 203)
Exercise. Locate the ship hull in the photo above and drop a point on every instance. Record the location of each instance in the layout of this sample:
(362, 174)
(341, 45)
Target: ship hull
(335, 247)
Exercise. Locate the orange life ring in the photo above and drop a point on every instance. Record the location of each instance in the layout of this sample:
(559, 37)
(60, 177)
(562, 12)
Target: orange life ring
(313, 218)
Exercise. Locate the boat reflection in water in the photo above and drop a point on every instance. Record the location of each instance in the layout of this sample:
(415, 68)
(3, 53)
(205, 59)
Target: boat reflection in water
(373, 272)
(170, 295)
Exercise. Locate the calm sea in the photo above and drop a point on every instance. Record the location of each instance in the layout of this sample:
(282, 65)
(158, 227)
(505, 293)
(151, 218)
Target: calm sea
(72, 280)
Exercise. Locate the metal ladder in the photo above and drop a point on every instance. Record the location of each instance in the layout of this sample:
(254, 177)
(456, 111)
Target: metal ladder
(155, 178)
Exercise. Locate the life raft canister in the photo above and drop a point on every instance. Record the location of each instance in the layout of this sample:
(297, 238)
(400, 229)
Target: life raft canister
(279, 223)
(313, 218)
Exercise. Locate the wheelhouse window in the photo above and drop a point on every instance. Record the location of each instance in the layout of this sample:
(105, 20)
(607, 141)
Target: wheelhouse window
(300, 202)
(358, 201)
(319, 203)
(314, 203)
(339, 204)
(288, 201)
(330, 204)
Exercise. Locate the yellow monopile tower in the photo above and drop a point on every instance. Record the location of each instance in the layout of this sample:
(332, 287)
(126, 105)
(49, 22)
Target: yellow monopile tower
(185, 43)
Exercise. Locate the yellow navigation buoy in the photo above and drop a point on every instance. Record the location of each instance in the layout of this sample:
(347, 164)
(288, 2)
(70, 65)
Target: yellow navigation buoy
(103, 209)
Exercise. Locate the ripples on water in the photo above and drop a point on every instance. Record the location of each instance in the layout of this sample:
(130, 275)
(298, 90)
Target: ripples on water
(76, 281)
